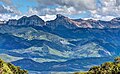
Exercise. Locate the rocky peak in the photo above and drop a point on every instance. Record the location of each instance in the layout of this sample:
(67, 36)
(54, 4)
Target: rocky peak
(28, 21)
(12, 22)
(24, 17)
(35, 17)
(78, 20)
(116, 19)
(59, 16)
(63, 21)
(36, 20)
(60, 22)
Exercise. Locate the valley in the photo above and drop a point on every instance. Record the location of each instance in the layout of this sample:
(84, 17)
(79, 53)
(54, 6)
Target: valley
(60, 45)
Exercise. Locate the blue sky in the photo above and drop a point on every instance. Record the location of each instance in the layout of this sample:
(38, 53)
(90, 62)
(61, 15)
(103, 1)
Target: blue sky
(23, 5)
(47, 9)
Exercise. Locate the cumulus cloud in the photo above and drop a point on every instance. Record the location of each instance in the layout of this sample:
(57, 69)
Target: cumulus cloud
(47, 9)
(65, 7)
(45, 17)
(6, 17)
(108, 10)
(118, 2)
(7, 12)
(4, 9)
(77, 4)
(9, 2)
(32, 11)
(58, 10)
(48, 17)
(101, 17)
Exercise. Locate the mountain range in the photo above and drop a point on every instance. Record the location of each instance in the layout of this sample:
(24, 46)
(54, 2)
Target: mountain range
(64, 21)
(62, 44)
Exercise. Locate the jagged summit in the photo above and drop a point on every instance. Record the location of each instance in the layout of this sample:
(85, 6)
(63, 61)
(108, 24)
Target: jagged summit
(62, 20)
(35, 17)
(60, 16)
(23, 17)
(36, 20)
(116, 19)
(27, 21)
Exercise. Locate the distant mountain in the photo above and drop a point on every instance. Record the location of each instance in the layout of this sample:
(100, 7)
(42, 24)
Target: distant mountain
(59, 40)
(27, 21)
(71, 65)
(61, 21)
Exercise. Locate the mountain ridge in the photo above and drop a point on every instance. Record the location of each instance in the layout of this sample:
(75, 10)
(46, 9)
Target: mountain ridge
(59, 40)
(69, 23)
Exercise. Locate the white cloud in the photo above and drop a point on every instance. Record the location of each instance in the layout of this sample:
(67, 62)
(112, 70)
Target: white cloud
(118, 2)
(66, 10)
(48, 17)
(32, 11)
(9, 2)
(11, 10)
(109, 9)
(65, 7)
(7, 12)
(6, 17)
(4, 9)
(47, 9)
(77, 4)
(100, 17)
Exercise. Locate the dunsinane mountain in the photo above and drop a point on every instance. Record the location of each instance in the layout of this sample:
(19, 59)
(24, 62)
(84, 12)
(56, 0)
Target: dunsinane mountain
(62, 44)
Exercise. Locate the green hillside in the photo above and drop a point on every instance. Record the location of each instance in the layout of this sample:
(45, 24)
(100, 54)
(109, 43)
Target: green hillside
(105, 68)
(8, 68)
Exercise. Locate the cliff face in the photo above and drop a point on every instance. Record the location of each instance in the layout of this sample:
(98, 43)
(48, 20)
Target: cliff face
(8, 68)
